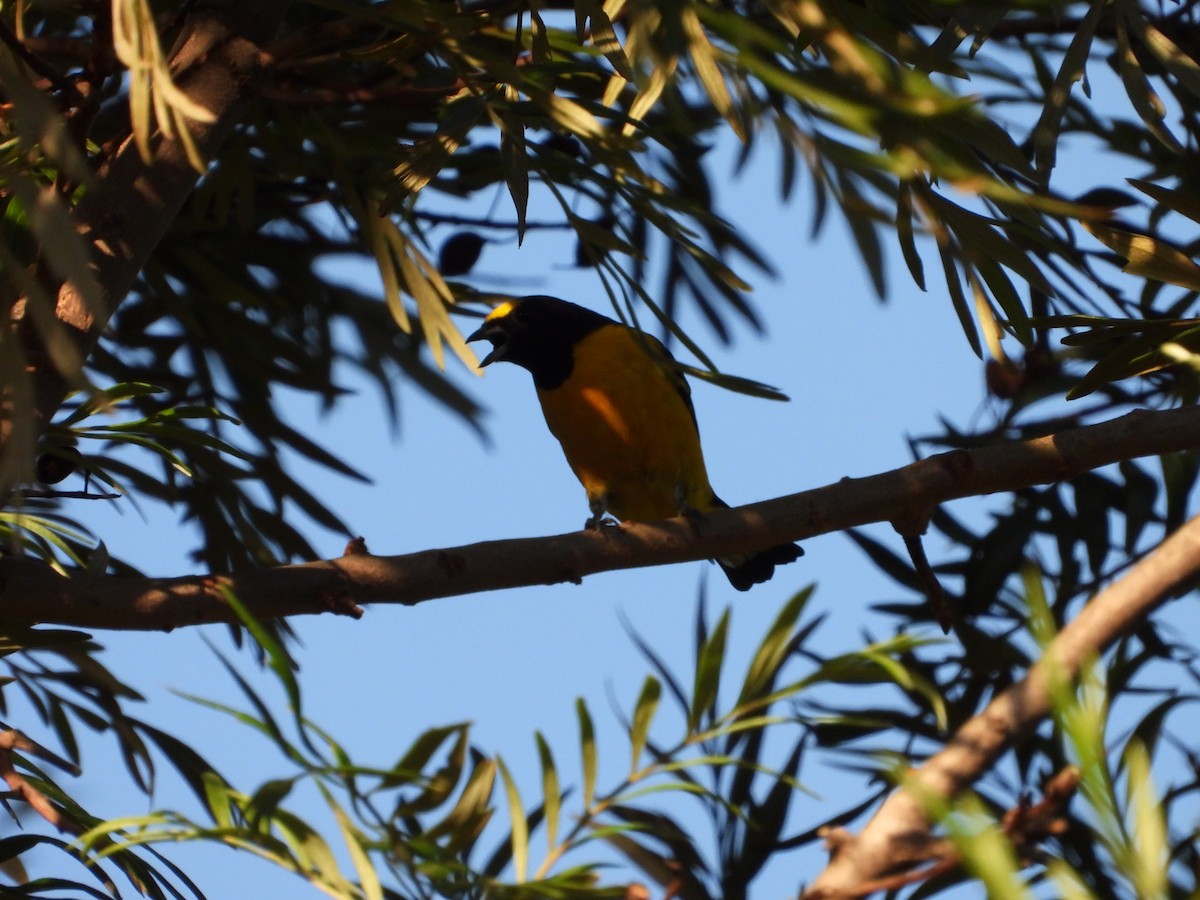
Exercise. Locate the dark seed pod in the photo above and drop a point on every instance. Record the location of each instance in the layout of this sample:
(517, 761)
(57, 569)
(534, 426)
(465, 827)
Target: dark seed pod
(564, 143)
(54, 467)
(460, 253)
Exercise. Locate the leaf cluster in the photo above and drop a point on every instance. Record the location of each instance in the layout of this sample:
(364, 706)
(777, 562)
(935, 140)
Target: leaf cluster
(445, 819)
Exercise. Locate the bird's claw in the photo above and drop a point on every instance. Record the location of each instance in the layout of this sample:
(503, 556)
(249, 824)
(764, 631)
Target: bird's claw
(599, 518)
(694, 517)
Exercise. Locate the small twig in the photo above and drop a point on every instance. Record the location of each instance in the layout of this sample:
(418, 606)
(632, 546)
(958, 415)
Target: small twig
(39, 66)
(286, 52)
(75, 49)
(938, 604)
(50, 493)
(1028, 824)
(474, 222)
(356, 547)
(911, 526)
(403, 96)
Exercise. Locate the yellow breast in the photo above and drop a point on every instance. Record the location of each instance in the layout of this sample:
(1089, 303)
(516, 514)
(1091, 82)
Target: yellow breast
(626, 431)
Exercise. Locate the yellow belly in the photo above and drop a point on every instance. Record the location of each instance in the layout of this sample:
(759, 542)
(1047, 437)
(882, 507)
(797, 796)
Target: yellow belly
(626, 431)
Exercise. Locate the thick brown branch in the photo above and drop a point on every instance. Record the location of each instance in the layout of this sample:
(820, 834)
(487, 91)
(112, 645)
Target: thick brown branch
(1014, 714)
(31, 593)
(1026, 825)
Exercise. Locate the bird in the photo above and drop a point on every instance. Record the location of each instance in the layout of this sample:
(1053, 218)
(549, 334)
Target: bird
(623, 413)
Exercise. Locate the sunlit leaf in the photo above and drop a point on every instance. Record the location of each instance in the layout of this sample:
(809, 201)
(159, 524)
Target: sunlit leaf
(519, 833)
(708, 673)
(643, 715)
(1149, 257)
(587, 746)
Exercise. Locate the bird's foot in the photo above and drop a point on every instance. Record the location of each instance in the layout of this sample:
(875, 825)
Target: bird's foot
(599, 518)
(694, 517)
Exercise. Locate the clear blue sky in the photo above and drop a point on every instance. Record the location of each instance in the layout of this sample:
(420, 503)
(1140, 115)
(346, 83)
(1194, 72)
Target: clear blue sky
(861, 378)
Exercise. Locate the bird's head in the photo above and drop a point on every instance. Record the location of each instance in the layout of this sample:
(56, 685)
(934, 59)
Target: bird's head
(508, 329)
(537, 333)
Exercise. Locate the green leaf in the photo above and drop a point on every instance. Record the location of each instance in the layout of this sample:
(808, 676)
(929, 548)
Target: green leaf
(986, 851)
(1181, 201)
(519, 836)
(1146, 102)
(1161, 344)
(1047, 131)
(1147, 256)
(860, 216)
(515, 161)
(265, 801)
(643, 715)
(708, 673)
(904, 234)
(317, 861)
(704, 59)
(413, 762)
(887, 561)
(1148, 831)
(766, 819)
(1177, 61)
(604, 36)
(954, 285)
(646, 860)
(463, 824)
(1092, 493)
(1140, 492)
(278, 660)
(355, 842)
(774, 649)
(587, 749)
(551, 792)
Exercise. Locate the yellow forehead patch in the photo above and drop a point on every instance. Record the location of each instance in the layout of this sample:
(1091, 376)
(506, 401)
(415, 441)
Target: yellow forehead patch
(501, 311)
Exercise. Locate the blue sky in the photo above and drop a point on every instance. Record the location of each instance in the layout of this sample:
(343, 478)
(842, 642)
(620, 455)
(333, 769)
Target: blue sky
(861, 377)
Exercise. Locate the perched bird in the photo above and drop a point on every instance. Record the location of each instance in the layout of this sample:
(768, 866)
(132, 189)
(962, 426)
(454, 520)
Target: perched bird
(623, 414)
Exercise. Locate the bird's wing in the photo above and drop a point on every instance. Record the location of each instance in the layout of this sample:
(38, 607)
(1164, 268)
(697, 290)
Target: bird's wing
(671, 369)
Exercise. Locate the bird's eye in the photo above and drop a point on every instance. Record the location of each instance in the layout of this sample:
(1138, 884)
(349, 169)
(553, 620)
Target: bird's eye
(521, 315)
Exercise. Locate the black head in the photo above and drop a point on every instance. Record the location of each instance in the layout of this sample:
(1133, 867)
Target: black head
(539, 334)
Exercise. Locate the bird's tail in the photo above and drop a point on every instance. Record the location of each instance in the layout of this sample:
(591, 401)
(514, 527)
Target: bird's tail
(744, 572)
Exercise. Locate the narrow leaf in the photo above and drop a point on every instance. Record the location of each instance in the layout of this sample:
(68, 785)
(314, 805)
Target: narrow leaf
(708, 673)
(551, 803)
(587, 747)
(520, 829)
(643, 715)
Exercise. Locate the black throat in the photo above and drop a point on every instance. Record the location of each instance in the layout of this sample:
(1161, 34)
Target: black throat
(547, 349)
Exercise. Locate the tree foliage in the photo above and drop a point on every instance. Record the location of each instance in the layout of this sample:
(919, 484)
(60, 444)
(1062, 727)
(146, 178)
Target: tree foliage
(176, 181)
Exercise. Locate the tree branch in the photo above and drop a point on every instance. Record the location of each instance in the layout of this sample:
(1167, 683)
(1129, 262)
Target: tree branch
(133, 202)
(1013, 715)
(30, 592)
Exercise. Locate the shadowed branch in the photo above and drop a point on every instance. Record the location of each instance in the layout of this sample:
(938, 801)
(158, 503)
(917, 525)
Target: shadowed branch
(32, 593)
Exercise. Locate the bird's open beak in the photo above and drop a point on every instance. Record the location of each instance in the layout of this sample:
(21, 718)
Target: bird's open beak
(492, 332)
